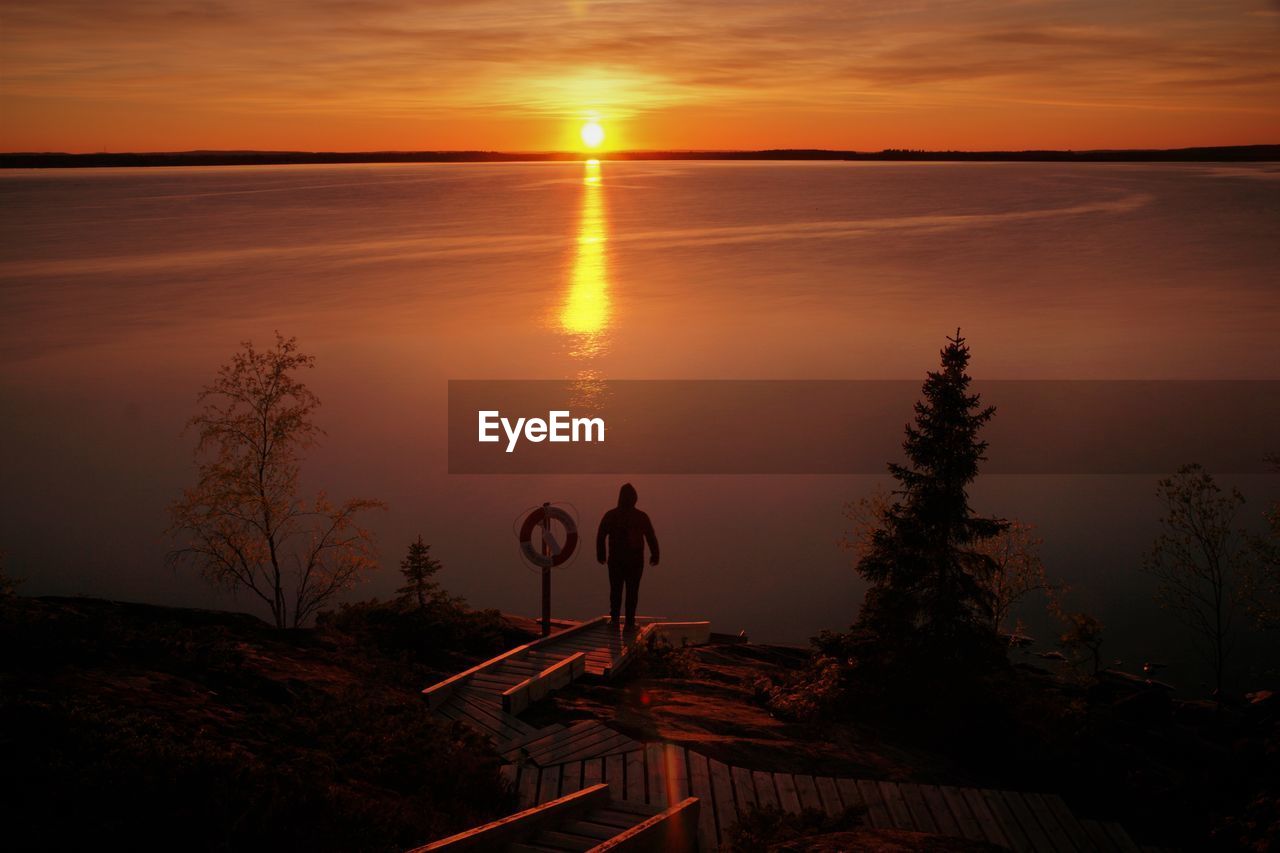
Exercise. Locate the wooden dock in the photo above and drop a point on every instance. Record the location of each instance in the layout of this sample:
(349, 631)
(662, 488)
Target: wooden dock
(659, 775)
(552, 763)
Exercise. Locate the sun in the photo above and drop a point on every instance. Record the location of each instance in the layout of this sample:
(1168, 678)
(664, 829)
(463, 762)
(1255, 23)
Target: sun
(592, 134)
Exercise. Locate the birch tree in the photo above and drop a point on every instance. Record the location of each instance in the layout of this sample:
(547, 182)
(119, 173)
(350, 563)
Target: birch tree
(1201, 560)
(244, 525)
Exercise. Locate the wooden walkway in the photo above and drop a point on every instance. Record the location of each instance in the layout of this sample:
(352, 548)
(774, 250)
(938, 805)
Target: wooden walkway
(660, 775)
(555, 761)
(490, 696)
(588, 819)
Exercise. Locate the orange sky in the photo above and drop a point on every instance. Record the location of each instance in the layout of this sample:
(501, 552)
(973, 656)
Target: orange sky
(82, 75)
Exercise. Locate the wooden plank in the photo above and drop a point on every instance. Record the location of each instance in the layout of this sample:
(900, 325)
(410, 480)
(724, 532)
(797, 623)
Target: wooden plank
(450, 711)
(556, 741)
(527, 794)
(722, 797)
(788, 799)
(543, 643)
(830, 795)
(1067, 820)
(612, 818)
(515, 667)
(807, 790)
(1035, 833)
(744, 789)
(439, 693)
(505, 725)
(677, 773)
(700, 787)
(969, 824)
(990, 825)
(850, 795)
(1101, 840)
(584, 644)
(549, 784)
(634, 808)
(561, 841)
(615, 774)
(877, 811)
(637, 788)
(510, 774)
(674, 829)
(571, 778)
(920, 814)
(586, 739)
(497, 675)
(1049, 823)
(536, 734)
(590, 829)
(499, 833)
(1008, 824)
(1120, 837)
(470, 714)
(897, 805)
(545, 749)
(684, 633)
(766, 792)
(618, 743)
(586, 640)
(592, 772)
(492, 684)
(481, 696)
(657, 777)
(943, 818)
(483, 692)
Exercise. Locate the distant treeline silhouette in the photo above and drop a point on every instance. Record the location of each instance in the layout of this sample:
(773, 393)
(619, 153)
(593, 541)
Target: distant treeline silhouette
(47, 160)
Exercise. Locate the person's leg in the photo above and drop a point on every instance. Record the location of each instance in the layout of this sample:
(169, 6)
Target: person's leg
(616, 579)
(633, 593)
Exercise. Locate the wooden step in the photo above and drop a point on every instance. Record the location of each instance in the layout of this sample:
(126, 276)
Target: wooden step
(538, 686)
(524, 825)
(588, 828)
(674, 829)
(558, 840)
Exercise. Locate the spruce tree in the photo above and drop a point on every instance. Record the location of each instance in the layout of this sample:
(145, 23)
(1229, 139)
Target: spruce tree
(418, 568)
(930, 595)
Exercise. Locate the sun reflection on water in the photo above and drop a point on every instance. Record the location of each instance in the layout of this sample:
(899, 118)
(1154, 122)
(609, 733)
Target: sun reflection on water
(585, 312)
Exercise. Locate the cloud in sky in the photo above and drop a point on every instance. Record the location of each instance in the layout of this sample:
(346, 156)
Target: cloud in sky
(515, 74)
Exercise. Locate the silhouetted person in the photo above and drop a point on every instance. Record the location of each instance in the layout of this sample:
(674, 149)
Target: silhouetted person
(625, 529)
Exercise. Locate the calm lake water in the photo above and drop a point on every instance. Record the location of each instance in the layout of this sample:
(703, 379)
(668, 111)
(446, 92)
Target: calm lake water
(122, 290)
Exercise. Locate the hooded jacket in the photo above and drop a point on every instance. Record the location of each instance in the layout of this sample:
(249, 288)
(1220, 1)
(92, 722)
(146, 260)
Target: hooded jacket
(625, 530)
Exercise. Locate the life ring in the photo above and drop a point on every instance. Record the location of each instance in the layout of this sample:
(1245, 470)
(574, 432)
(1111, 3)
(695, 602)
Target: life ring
(535, 519)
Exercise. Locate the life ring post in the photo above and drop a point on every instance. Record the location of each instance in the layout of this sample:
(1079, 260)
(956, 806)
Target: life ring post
(551, 552)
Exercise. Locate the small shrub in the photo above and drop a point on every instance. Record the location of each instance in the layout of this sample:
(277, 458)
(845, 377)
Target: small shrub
(660, 659)
(430, 635)
(808, 696)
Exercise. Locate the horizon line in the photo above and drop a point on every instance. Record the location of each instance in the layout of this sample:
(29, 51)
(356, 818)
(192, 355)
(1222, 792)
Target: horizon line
(1258, 152)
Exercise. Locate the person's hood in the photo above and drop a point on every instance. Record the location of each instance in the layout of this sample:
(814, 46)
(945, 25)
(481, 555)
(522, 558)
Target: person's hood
(627, 496)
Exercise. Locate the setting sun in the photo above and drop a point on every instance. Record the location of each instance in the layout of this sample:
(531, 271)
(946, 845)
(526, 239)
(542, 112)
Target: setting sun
(592, 134)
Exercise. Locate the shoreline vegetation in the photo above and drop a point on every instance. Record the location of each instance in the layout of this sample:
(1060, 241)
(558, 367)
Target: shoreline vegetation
(220, 729)
(62, 160)
(232, 734)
